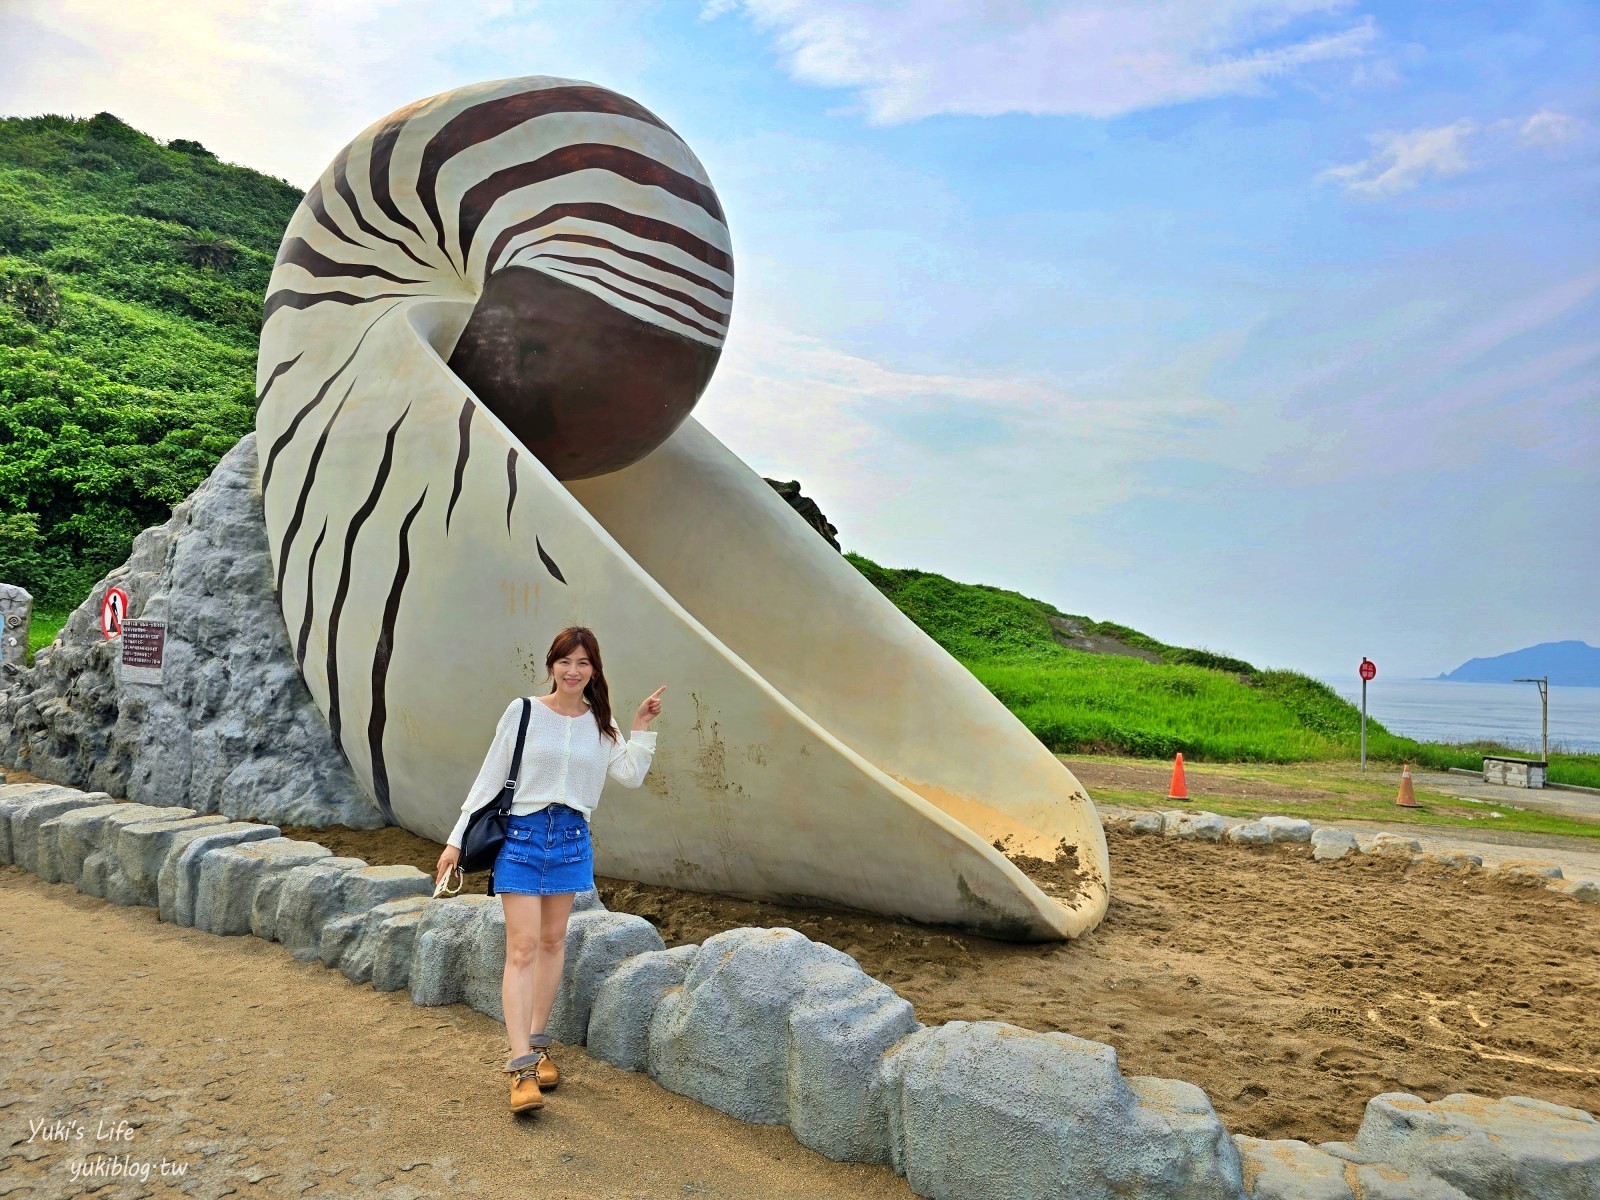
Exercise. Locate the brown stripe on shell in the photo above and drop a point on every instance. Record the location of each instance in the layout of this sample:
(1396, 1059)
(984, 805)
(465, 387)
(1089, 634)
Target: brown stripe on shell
(490, 119)
(647, 228)
(649, 260)
(300, 253)
(585, 156)
(705, 310)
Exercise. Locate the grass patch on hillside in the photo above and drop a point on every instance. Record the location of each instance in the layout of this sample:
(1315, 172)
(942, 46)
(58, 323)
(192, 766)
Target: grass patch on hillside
(131, 281)
(43, 628)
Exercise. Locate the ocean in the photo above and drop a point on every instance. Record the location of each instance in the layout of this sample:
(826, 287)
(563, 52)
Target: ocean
(1436, 710)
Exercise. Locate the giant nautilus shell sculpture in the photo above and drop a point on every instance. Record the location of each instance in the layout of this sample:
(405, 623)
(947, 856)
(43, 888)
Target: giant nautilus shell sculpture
(485, 331)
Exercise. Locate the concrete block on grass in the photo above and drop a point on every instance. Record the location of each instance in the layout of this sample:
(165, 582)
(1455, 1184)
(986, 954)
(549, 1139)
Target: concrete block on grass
(179, 876)
(993, 1110)
(1250, 833)
(1288, 829)
(225, 892)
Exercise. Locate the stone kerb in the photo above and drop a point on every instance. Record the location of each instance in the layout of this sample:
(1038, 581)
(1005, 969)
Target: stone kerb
(988, 1109)
(179, 877)
(229, 877)
(379, 952)
(65, 841)
(26, 808)
(619, 1020)
(769, 1026)
(1483, 1147)
(132, 872)
(1330, 844)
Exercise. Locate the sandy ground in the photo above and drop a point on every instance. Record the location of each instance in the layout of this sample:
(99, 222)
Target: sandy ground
(262, 1076)
(1292, 992)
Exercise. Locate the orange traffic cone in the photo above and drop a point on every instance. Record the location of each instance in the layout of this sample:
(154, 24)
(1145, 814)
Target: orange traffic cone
(1407, 798)
(1179, 790)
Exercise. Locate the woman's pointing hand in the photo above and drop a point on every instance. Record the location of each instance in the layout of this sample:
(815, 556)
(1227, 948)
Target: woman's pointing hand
(649, 710)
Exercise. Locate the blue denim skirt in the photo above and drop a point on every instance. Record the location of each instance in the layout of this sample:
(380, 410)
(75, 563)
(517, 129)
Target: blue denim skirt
(546, 853)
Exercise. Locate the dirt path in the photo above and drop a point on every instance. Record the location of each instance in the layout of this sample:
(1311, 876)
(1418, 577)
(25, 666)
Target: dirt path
(263, 1076)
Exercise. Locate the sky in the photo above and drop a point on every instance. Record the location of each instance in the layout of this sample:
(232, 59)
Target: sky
(1268, 326)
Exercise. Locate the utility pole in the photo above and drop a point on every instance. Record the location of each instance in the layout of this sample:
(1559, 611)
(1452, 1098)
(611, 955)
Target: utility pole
(1544, 699)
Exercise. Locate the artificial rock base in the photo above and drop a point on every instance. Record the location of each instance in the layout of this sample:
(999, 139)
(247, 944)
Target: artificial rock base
(772, 1027)
(231, 727)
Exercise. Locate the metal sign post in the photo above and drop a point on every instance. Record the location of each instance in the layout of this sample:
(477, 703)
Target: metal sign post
(1544, 699)
(1369, 672)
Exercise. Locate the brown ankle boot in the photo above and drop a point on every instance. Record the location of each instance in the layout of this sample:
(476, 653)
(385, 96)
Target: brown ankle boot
(525, 1093)
(548, 1075)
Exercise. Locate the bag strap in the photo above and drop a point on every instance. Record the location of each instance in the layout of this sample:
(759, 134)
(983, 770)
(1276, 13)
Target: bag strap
(507, 792)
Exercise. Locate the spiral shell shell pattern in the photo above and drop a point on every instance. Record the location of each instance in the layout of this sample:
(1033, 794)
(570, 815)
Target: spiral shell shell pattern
(486, 328)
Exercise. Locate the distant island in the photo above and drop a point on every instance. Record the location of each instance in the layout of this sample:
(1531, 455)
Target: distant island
(1568, 664)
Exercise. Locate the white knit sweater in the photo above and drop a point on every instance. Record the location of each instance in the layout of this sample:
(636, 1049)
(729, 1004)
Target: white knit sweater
(564, 761)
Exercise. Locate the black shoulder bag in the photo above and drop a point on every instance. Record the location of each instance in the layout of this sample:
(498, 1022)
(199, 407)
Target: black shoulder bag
(486, 828)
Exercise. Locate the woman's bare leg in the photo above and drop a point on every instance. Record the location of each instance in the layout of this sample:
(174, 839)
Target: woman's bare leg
(553, 914)
(524, 918)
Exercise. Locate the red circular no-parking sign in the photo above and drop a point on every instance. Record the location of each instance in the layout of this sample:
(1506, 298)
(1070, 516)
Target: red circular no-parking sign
(1369, 669)
(113, 611)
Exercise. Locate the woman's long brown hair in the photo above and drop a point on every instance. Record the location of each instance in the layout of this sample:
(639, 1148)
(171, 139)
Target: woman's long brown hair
(576, 637)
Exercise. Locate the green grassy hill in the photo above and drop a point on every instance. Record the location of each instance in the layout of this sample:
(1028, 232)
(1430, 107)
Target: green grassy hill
(1208, 706)
(131, 279)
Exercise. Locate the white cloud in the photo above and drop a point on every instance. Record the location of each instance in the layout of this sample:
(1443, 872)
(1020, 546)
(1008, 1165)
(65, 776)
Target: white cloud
(1402, 161)
(919, 465)
(282, 86)
(980, 58)
(1548, 127)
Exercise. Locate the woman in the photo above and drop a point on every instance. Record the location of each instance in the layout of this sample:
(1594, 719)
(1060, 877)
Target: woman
(572, 744)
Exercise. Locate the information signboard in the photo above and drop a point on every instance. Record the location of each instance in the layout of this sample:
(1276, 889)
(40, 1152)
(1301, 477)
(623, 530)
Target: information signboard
(144, 644)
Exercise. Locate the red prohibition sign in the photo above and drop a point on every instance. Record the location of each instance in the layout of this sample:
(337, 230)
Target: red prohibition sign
(113, 611)
(1369, 669)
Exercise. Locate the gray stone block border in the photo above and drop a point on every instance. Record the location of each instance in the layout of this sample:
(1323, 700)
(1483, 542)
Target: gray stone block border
(1329, 844)
(771, 1027)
